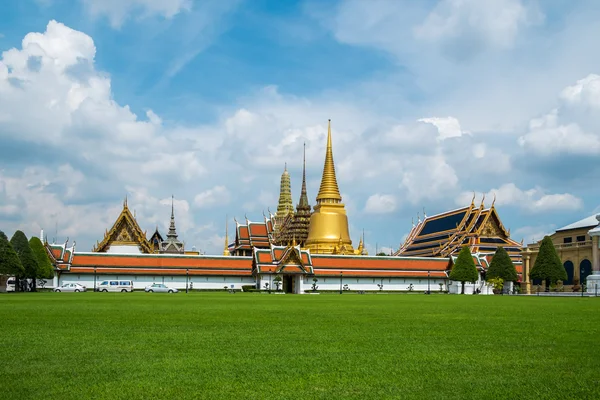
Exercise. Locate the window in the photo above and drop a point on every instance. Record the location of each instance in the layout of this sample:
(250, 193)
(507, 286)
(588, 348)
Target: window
(125, 283)
(114, 283)
(568, 240)
(104, 283)
(581, 238)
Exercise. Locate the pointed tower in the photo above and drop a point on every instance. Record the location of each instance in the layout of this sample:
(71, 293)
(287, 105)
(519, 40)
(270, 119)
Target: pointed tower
(226, 248)
(329, 223)
(301, 221)
(172, 245)
(285, 206)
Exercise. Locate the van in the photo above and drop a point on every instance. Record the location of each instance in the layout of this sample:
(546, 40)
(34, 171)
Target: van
(11, 284)
(115, 286)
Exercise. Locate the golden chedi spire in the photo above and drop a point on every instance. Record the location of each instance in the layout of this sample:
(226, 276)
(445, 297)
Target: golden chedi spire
(328, 228)
(329, 190)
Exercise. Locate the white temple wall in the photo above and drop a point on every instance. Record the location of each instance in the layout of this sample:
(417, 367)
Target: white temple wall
(176, 281)
(370, 284)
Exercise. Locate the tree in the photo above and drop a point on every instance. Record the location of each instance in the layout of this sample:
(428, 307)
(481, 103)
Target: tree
(381, 254)
(44, 270)
(502, 267)
(21, 245)
(548, 266)
(10, 264)
(464, 269)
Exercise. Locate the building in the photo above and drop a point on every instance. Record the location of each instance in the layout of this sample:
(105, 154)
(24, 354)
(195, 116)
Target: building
(575, 246)
(445, 234)
(327, 259)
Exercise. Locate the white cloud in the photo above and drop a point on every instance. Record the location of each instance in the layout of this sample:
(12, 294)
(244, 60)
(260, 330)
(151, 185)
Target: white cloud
(533, 200)
(217, 195)
(430, 177)
(118, 10)
(584, 92)
(381, 204)
(447, 127)
(496, 22)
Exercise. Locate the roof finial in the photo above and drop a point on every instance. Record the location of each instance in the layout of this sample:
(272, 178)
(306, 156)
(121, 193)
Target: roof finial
(125, 202)
(418, 218)
(413, 221)
(483, 201)
(424, 215)
(494, 201)
(473, 199)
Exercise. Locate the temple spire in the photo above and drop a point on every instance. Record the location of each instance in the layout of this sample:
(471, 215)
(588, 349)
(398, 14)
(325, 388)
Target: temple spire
(172, 232)
(329, 191)
(286, 205)
(303, 196)
(226, 248)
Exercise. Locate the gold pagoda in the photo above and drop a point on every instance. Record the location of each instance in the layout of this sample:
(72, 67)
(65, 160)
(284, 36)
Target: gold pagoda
(328, 231)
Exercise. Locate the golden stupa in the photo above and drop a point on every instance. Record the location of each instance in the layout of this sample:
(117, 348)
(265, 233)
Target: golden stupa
(328, 231)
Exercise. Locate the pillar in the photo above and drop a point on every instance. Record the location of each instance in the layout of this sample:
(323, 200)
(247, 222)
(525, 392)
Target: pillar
(526, 271)
(595, 256)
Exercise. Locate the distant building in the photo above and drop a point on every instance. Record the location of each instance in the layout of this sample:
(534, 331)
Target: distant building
(575, 249)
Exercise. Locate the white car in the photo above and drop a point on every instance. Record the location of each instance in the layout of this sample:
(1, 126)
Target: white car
(160, 288)
(71, 287)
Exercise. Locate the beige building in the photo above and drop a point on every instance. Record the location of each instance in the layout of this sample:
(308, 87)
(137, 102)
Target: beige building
(575, 249)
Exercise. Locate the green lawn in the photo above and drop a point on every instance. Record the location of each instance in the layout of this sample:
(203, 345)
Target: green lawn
(217, 345)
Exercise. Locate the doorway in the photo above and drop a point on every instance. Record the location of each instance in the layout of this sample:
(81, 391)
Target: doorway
(288, 283)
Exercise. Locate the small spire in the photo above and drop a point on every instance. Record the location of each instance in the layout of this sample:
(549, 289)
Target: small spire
(226, 247)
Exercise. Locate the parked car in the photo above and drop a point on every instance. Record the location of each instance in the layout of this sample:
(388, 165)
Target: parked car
(10, 284)
(70, 287)
(160, 288)
(115, 286)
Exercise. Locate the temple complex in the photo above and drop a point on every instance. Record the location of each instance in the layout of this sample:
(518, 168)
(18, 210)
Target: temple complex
(300, 249)
(445, 234)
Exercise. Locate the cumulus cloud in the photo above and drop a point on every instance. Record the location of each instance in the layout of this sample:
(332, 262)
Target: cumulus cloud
(572, 127)
(447, 126)
(533, 200)
(493, 22)
(216, 195)
(381, 204)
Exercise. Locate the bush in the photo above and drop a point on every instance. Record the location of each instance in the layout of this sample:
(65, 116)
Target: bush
(44, 266)
(21, 245)
(502, 267)
(548, 266)
(248, 288)
(10, 264)
(464, 269)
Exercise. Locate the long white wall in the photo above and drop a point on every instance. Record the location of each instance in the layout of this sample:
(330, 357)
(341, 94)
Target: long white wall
(370, 284)
(178, 281)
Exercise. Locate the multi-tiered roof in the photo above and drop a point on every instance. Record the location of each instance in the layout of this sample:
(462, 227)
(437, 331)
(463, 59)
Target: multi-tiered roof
(444, 234)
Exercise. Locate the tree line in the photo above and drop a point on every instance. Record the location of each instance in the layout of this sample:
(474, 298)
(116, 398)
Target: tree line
(26, 260)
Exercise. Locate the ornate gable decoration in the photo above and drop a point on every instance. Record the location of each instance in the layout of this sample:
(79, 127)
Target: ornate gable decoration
(291, 258)
(125, 231)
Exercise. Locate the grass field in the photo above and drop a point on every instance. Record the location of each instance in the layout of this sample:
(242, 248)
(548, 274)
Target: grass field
(217, 345)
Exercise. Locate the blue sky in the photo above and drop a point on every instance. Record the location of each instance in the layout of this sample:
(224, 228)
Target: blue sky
(206, 100)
